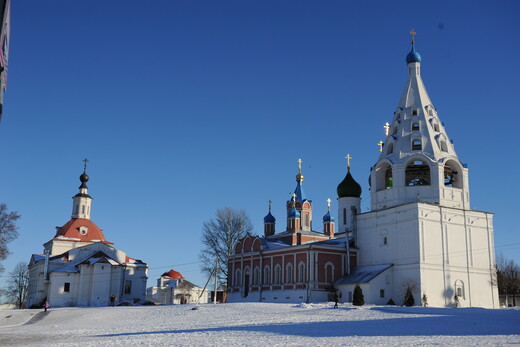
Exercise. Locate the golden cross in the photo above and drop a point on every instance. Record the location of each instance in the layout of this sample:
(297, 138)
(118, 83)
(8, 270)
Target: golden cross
(387, 127)
(380, 144)
(294, 198)
(270, 202)
(328, 203)
(348, 157)
(413, 36)
(299, 166)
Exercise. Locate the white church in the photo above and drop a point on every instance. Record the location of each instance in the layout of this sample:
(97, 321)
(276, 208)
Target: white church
(80, 267)
(420, 231)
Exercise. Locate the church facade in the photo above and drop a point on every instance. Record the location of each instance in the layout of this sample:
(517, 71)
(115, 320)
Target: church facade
(420, 234)
(79, 267)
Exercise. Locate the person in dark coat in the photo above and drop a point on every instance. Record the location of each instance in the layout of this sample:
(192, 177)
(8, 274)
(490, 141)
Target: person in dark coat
(336, 298)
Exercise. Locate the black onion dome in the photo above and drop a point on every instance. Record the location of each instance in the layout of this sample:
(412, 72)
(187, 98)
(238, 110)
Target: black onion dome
(84, 179)
(349, 188)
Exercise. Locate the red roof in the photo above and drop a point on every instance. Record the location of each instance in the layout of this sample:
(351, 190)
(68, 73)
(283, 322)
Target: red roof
(70, 232)
(172, 274)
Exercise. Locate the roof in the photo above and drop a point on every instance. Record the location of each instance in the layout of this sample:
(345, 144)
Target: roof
(363, 274)
(172, 274)
(349, 187)
(71, 231)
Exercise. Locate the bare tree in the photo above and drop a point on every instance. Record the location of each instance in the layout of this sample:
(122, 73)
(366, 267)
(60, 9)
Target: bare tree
(8, 231)
(16, 290)
(508, 277)
(219, 237)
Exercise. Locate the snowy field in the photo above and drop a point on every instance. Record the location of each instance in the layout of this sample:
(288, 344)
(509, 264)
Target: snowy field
(260, 324)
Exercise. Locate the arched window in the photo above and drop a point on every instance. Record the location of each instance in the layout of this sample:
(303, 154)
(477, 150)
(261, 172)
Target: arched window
(390, 148)
(256, 276)
(444, 148)
(83, 209)
(289, 273)
(384, 177)
(451, 175)
(277, 274)
(459, 289)
(394, 132)
(417, 174)
(416, 145)
(435, 126)
(267, 275)
(414, 112)
(329, 272)
(415, 126)
(301, 272)
(238, 278)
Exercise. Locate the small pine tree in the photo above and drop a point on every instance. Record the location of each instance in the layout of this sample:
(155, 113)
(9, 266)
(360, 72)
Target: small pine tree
(408, 298)
(358, 299)
(424, 300)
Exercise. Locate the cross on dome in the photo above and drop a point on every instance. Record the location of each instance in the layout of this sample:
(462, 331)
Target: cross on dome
(85, 165)
(348, 157)
(413, 33)
(328, 203)
(387, 127)
(380, 144)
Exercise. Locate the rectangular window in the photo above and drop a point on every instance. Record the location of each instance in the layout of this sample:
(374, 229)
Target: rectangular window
(344, 216)
(66, 287)
(414, 112)
(128, 286)
(381, 293)
(385, 240)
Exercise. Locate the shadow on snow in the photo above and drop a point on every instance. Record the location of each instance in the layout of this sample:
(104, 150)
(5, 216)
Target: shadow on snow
(455, 322)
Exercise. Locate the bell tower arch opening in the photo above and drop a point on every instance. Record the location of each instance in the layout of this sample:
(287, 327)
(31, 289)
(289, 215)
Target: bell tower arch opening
(384, 177)
(452, 174)
(417, 173)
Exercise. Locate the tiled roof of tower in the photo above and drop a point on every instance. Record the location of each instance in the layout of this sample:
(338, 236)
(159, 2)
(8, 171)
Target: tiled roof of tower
(71, 232)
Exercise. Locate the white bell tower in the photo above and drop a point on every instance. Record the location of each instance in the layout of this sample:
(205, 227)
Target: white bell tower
(418, 162)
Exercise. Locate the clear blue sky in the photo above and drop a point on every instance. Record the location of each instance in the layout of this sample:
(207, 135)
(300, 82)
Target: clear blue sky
(184, 107)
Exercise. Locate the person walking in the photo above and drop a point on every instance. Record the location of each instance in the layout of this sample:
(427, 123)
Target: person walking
(46, 306)
(336, 298)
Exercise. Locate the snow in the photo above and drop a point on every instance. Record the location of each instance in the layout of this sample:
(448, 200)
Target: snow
(259, 324)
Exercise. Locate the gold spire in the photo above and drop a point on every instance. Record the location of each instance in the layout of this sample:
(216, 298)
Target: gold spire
(348, 157)
(380, 144)
(294, 199)
(413, 33)
(299, 176)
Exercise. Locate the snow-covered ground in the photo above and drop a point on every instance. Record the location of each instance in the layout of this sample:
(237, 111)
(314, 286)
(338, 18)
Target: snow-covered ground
(260, 324)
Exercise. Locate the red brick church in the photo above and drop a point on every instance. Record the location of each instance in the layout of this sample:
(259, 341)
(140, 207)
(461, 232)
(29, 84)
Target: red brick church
(299, 263)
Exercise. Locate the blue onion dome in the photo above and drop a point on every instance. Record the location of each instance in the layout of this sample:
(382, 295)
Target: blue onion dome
(328, 218)
(349, 188)
(413, 56)
(293, 213)
(269, 218)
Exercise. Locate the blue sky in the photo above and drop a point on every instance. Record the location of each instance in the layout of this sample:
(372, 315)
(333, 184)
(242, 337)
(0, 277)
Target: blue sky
(184, 107)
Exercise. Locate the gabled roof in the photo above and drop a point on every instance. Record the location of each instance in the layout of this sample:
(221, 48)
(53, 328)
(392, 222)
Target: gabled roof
(363, 274)
(71, 232)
